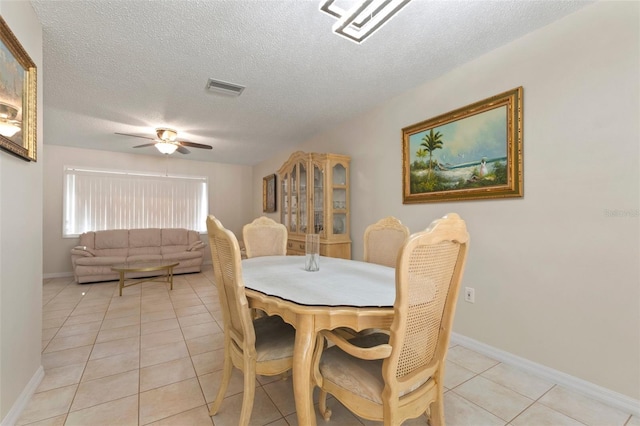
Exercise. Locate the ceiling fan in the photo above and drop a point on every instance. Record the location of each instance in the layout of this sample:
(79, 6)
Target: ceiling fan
(166, 141)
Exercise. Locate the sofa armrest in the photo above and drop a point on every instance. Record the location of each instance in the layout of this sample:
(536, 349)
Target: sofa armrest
(198, 245)
(82, 251)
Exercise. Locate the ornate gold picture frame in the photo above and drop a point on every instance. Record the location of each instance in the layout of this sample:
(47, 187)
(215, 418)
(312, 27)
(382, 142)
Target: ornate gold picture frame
(474, 152)
(269, 194)
(17, 97)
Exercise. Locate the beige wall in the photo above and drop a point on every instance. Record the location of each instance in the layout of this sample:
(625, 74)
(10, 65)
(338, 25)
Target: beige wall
(21, 237)
(556, 280)
(230, 191)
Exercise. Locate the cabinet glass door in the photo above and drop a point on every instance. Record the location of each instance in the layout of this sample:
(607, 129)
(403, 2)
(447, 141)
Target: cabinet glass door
(294, 200)
(284, 201)
(318, 201)
(340, 199)
(339, 175)
(302, 204)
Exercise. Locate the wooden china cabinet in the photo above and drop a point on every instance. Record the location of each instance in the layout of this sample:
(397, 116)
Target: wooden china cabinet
(314, 198)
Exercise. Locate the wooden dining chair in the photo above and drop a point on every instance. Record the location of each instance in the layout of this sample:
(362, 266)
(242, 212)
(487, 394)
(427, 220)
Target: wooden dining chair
(383, 240)
(398, 376)
(261, 346)
(264, 237)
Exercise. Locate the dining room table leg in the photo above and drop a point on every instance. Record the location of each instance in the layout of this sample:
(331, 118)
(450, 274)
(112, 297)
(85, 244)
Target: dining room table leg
(302, 384)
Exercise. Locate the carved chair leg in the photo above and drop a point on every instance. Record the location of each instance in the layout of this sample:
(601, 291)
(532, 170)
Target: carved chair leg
(322, 406)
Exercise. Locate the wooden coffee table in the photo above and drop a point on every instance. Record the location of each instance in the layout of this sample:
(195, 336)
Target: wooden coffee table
(164, 269)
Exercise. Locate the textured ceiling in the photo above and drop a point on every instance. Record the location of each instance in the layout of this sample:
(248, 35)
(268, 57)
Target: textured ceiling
(131, 66)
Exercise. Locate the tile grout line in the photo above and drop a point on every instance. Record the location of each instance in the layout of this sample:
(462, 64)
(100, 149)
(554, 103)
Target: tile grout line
(86, 361)
(557, 411)
(139, 358)
(75, 394)
(204, 397)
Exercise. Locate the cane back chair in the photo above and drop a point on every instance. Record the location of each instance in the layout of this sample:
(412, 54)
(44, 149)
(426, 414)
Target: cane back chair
(398, 376)
(262, 346)
(264, 237)
(383, 240)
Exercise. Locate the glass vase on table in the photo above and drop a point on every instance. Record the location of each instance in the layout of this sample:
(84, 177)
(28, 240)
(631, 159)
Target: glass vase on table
(312, 252)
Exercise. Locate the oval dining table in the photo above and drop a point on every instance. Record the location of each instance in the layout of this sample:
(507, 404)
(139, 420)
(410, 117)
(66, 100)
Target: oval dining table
(342, 293)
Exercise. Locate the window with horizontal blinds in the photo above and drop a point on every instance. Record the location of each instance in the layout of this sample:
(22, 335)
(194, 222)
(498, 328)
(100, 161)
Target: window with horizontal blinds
(96, 200)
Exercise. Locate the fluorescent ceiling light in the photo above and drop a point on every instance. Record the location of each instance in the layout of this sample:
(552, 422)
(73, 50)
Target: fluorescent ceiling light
(360, 20)
(166, 147)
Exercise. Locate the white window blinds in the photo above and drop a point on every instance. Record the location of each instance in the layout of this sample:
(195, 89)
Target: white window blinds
(95, 200)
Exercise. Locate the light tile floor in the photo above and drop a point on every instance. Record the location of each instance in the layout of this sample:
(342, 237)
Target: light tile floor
(154, 357)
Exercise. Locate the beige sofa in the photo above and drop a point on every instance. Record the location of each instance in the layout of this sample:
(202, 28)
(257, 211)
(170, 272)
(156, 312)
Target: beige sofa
(97, 251)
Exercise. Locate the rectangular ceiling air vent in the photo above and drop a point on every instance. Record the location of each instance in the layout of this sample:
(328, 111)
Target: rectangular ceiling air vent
(224, 87)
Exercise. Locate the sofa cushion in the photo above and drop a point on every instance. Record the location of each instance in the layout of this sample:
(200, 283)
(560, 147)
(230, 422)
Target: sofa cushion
(174, 237)
(144, 238)
(145, 251)
(117, 238)
(173, 249)
(143, 257)
(115, 252)
(112, 243)
(100, 260)
(144, 242)
(182, 255)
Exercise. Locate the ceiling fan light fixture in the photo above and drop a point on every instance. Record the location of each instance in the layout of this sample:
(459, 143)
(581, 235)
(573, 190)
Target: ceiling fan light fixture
(166, 147)
(165, 134)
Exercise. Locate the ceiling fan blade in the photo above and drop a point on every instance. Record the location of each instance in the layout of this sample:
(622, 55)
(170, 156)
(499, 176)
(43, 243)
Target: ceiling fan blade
(195, 145)
(135, 136)
(146, 144)
(183, 150)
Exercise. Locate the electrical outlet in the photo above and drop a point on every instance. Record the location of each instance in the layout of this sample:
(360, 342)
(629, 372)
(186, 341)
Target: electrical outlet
(470, 294)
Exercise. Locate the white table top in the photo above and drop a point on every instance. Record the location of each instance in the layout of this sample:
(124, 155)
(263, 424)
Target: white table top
(339, 282)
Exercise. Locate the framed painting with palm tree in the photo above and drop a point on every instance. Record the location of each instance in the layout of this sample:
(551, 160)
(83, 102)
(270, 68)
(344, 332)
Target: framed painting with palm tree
(474, 152)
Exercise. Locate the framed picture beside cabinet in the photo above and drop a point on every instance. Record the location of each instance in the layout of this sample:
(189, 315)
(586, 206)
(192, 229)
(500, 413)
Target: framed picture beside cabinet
(269, 194)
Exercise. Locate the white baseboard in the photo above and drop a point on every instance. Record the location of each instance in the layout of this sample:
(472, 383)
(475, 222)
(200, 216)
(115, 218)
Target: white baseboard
(57, 275)
(18, 407)
(591, 390)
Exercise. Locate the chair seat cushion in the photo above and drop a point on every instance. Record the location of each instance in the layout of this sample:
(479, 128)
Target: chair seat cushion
(274, 338)
(362, 377)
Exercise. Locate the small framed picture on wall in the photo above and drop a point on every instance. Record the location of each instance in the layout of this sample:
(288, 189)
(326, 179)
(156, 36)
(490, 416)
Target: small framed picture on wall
(269, 194)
